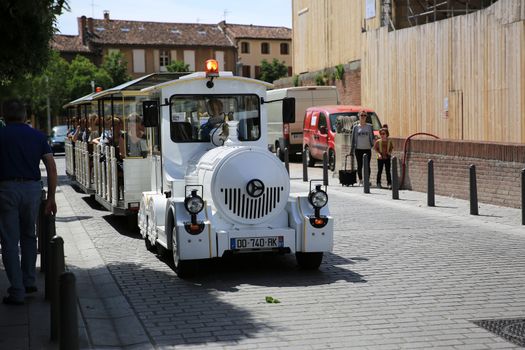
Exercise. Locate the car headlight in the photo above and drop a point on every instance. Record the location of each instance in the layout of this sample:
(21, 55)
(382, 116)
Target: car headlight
(318, 198)
(194, 204)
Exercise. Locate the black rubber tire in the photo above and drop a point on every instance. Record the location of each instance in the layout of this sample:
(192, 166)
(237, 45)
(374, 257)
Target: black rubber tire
(331, 160)
(309, 261)
(183, 268)
(310, 161)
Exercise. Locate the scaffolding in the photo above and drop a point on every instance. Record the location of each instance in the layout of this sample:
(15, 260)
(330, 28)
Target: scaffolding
(425, 11)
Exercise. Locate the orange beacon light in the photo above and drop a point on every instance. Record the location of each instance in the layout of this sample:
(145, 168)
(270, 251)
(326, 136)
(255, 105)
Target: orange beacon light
(212, 68)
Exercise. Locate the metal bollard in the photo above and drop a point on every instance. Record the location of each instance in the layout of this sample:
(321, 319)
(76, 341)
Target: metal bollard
(431, 198)
(325, 169)
(395, 180)
(57, 266)
(68, 329)
(45, 256)
(305, 167)
(366, 174)
(523, 196)
(287, 160)
(473, 191)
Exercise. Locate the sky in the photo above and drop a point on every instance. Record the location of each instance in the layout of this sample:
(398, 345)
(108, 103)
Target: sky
(261, 12)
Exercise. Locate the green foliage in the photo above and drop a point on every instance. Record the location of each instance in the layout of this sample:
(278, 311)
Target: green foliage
(82, 72)
(272, 71)
(296, 80)
(27, 27)
(51, 83)
(116, 66)
(178, 66)
(320, 79)
(339, 72)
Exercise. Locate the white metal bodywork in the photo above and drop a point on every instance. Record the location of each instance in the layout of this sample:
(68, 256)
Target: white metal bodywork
(224, 172)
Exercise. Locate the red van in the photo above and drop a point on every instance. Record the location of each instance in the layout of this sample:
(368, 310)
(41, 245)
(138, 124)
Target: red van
(322, 123)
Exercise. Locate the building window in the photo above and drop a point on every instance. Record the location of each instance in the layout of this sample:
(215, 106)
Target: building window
(285, 49)
(246, 71)
(289, 71)
(245, 47)
(139, 64)
(257, 72)
(189, 59)
(219, 56)
(265, 48)
(164, 58)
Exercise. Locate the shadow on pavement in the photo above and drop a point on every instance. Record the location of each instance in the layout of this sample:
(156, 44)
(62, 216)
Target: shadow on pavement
(72, 218)
(188, 313)
(124, 225)
(271, 270)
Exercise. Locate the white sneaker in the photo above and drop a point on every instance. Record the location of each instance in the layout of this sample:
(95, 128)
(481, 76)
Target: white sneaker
(360, 182)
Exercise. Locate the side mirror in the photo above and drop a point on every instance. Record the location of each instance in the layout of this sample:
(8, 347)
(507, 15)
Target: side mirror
(150, 110)
(289, 110)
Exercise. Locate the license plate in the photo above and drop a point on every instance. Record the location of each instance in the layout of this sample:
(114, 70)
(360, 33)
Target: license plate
(257, 242)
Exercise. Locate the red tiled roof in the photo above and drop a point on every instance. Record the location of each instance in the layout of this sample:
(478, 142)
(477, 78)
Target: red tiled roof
(68, 43)
(250, 31)
(156, 33)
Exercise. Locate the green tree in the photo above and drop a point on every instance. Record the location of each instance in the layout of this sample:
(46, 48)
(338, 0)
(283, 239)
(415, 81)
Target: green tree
(178, 66)
(27, 27)
(52, 84)
(116, 66)
(82, 72)
(273, 71)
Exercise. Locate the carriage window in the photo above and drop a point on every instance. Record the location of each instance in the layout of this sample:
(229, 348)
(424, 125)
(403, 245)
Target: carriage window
(198, 118)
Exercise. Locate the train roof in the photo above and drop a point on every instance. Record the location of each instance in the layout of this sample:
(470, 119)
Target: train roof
(202, 76)
(134, 87)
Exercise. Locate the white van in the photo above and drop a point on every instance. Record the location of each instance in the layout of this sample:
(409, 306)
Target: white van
(291, 134)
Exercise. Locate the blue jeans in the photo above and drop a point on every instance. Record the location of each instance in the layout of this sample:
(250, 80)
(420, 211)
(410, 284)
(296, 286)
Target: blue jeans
(19, 203)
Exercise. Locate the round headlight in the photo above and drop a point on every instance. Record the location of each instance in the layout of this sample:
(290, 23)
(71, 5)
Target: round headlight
(318, 198)
(194, 204)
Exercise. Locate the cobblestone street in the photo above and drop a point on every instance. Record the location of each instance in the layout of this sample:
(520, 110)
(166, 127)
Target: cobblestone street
(401, 276)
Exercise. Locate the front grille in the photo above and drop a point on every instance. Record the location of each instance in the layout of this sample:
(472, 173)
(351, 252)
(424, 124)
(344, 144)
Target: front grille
(242, 205)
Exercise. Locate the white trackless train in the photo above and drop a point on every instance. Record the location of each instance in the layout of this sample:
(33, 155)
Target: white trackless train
(215, 188)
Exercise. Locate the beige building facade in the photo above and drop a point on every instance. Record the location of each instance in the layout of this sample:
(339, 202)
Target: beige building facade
(257, 43)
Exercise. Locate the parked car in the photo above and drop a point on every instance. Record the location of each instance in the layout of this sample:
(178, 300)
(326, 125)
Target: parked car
(282, 135)
(57, 139)
(321, 125)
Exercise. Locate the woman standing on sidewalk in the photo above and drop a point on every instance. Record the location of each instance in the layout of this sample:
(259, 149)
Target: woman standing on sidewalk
(362, 143)
(383, 148)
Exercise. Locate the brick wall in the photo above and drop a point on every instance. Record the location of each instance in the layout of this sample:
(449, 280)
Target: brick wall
(498, 168)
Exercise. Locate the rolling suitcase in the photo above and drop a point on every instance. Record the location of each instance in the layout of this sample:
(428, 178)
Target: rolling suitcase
(348, 177)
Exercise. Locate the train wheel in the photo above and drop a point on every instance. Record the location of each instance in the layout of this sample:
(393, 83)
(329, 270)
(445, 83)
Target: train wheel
(309, 261)
(183, 268)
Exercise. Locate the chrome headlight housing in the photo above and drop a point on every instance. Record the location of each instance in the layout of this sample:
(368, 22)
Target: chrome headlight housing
(318, 198)
(194, 203)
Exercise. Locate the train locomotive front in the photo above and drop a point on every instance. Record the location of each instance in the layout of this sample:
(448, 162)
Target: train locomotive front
(227, 194)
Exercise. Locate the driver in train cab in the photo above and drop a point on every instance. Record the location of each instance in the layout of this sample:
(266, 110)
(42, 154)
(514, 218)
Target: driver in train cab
(216, 115)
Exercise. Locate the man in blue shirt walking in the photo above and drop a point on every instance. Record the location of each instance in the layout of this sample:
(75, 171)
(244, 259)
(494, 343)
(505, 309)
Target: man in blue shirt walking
(21, 149)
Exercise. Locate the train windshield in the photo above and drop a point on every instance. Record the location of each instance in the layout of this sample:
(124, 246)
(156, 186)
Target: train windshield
(196, 118)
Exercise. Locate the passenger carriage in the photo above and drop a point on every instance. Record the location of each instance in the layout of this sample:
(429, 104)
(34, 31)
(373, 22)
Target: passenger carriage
(217, 190)
(115, 166)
